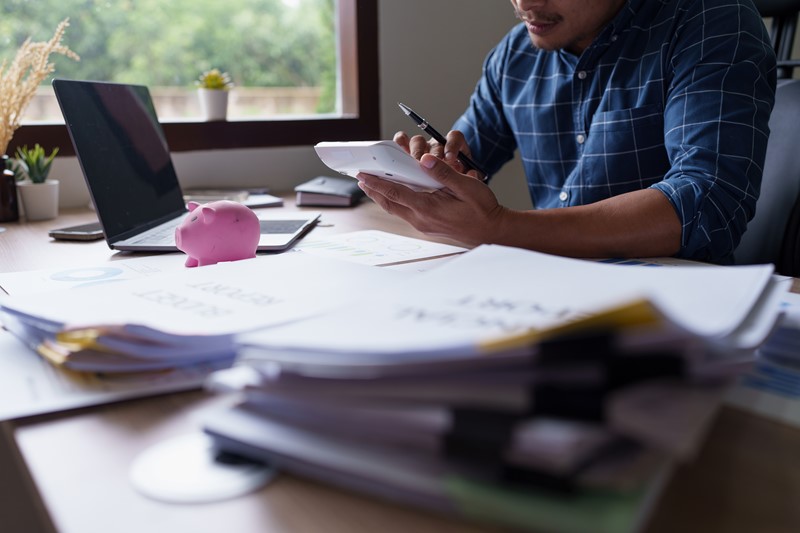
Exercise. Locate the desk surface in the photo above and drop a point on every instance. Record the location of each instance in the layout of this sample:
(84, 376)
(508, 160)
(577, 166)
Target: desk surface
(73, 467)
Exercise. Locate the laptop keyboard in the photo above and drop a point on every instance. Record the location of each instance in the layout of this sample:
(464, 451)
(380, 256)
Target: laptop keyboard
(164, 234)
(281, 226)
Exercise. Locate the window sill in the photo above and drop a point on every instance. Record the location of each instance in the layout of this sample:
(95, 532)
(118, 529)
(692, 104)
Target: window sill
(188, 136)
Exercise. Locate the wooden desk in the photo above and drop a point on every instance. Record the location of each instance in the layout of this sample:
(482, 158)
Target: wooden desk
(68, 472)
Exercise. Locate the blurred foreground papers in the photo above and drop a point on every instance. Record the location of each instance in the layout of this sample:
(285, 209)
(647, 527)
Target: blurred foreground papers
(181, 317)
(495, 294)
(506, 386)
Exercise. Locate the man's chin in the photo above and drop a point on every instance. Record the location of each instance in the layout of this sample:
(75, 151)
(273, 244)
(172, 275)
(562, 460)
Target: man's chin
(549, 45)
(544, 46)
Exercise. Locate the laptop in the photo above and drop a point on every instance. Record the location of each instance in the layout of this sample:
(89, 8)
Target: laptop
(126, 162)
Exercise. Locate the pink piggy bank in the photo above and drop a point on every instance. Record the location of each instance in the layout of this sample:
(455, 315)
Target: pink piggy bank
(218, 231)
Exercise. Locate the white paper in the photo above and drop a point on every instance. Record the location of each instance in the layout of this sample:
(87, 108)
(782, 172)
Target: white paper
(373, 247)
(423, 265)
(30, 386)
(215, 299)
(770, 389)
(299, 285)
(494, 291)
(53, 279)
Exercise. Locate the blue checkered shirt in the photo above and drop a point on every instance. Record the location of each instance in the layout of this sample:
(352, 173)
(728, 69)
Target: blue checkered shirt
(673, 95)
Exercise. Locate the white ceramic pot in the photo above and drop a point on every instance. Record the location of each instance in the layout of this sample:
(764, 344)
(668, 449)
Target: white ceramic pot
(39, 200)
(214, 103)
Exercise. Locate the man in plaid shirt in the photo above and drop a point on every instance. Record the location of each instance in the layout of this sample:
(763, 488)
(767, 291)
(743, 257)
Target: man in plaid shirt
(642, 126)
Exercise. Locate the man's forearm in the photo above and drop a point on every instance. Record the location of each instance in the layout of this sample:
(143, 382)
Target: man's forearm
(637, 224)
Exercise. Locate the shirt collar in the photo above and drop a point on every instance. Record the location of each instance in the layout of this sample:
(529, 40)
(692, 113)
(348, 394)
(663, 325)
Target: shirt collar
(618, 24)
(623, 19)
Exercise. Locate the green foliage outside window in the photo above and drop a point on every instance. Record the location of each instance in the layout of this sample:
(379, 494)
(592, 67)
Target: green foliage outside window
(261, 43)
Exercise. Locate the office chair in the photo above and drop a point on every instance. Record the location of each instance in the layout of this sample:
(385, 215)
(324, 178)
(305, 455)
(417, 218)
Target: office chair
(789, 257)
(780, 185)
(783, 29)
(771, 237)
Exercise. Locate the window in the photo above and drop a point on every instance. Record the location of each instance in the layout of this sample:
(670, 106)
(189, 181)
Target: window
(305, 70)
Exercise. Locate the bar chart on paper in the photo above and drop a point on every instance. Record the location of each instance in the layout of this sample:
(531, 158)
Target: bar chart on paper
(377, 248)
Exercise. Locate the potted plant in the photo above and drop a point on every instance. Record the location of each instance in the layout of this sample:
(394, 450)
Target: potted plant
(213, 87)
(19, 80)
(38, 195)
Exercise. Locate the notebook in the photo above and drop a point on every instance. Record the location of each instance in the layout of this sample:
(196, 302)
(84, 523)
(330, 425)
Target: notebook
(123, 153)
(329, 191)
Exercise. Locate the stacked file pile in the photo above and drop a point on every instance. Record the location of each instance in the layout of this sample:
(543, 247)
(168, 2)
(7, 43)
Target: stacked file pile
(783, 345)
(580, 427)
(554, 395)
(180, 318)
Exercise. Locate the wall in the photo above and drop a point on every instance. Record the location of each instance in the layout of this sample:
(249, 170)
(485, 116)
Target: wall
(431, 57)
(431, 53)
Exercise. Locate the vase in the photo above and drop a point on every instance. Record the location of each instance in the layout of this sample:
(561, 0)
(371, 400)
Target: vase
(213, 103)
(39, 200)
(9, 206)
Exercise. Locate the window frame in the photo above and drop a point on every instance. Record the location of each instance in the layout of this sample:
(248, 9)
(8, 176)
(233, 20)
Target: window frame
(359, 117)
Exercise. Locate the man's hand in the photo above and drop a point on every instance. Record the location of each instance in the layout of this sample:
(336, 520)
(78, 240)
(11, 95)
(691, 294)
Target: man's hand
(418, 146)
(465, 210)
(636, 224)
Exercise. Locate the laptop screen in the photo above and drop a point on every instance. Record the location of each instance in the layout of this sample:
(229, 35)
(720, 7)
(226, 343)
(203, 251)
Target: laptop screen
(123, 153)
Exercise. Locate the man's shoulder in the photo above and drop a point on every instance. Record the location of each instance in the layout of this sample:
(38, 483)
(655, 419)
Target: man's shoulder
(687, 22)
(692, 10)
(696, 5)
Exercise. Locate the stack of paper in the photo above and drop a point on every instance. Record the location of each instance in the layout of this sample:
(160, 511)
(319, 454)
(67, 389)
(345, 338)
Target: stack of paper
(507, 385)
(182, 317)
(783, 346)
(30, 385)
(772, 387)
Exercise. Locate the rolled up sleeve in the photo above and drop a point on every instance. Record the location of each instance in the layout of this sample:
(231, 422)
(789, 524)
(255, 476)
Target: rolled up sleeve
(716, 128)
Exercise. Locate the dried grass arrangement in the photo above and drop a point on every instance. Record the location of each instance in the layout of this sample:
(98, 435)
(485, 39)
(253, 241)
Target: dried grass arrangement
(20, 78)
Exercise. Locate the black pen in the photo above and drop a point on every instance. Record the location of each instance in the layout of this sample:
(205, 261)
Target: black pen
(468, 163)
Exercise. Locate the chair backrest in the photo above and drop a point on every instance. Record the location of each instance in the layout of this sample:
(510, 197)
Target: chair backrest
(772, 8)
(784, 28)
(763, 240)
(789, 259)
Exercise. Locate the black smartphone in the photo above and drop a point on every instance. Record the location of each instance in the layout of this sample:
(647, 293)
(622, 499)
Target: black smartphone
(82, 232)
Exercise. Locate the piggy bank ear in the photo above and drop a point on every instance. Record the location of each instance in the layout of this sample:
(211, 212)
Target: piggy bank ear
(207, 214)
(192, 206)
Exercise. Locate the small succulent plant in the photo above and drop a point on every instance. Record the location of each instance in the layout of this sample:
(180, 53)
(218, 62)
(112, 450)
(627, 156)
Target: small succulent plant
(18, 167)
(34, 163)
(215, 79)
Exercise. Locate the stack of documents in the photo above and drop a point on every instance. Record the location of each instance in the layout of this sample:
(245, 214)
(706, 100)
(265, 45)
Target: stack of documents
(90, 323)
(783, 346)
(506, 385)
(182, 317)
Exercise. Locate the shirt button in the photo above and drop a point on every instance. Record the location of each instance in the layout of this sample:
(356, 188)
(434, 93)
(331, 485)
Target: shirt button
(563, 196)
(582, 75)
(581, 138)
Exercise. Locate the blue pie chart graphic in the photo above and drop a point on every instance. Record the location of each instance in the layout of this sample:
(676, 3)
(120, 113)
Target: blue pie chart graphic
(87, 274)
